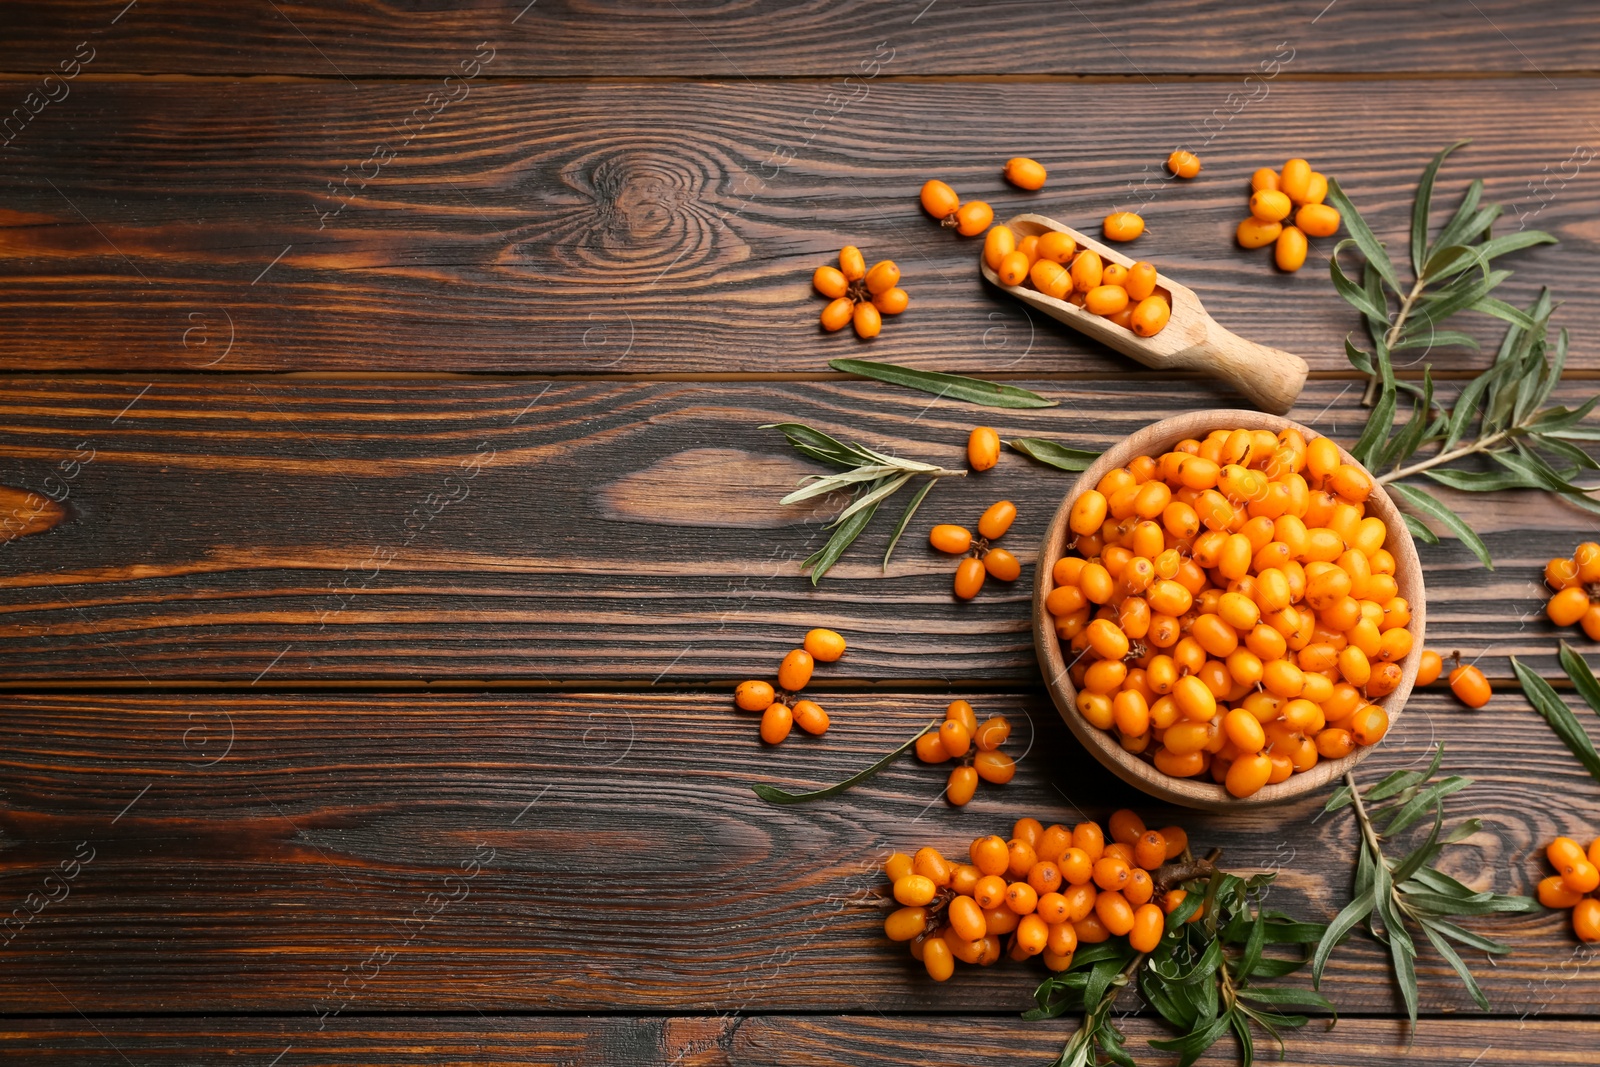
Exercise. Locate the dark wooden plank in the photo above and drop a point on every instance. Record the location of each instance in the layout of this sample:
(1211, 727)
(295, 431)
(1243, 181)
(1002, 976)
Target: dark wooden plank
(632, 229)
(306, 531)
(749, 1041)
(352, 38)
(272, 852)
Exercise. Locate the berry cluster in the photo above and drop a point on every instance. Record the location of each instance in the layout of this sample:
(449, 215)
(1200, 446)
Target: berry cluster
(1042, 893)
(1231, 608)
(780, 709)
(977, 746)
(859, 295)
(1577, 875)
(982, 558)
(969, 219)
(1576, 582)
(1051, 263)
(1274, 196)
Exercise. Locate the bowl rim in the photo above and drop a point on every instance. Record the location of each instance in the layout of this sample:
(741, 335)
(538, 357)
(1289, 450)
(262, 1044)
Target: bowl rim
(1204, 793)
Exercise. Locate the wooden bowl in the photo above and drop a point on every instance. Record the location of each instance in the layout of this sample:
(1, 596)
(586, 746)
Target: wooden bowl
(1203, 793)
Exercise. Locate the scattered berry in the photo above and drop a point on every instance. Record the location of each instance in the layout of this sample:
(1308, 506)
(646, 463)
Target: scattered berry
(1025, 173)
(941, 201)
(1468, 684)
(1183, 164)
(983, 559)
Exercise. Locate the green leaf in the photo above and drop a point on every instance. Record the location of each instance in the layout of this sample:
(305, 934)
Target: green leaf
(774, 795)
(1362, 234)
(1431, 507)
(1351, 914)
(955, 386)
(1419, 210)
(905, 519)
(1583, 679)
(1419, 530)
(1402, 951)
(1424, 801)
(1289, 998)
(1460, 294)
(1466, 937)
(1241, 1032)
(1424, 853)
(1435, 339)
(1053, 454)
(1192, 1046)
(1480, 481)
(1455, 231)
(1405, 443)
(877, 492)
(1381, 419)
(844, 535)
(816, 444)
(1454, 960)
(1548, 703)
(1503, 311)
(1355, 295)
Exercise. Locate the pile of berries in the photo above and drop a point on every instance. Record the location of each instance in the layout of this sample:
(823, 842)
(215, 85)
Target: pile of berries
(1274, 196)
(1231, 608)
(1577, 875)
(1042, 893)
(969, 219)
(982, 558)
(1052, 263)
(977, 747)
(780, 708)
(859, 295)
(1576, 582)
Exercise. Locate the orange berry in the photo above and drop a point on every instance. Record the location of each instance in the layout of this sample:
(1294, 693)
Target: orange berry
(1553, 893)
(753, 696)
(1087, 271)
(939, 200)
(951, 539)
(1140, 284)
(1150, 316)
(809, 716)
(1122, 226)
(1295, 179)
(1270, 205)
(1582, 877)
(1107, 300)
(1586, 919)
(837, 314)
(1254, 233)
(1317, 220)
(955, 737)
(1289, 252)
(997, 519)
(897, 866)
(776, 722)
(937, 959)
(1021, 898)
(1002, 565)
(1045, 877)
(1429, 667)
(1111, 872)
(996, 767)
(795, 670)
(1150, 851)
(998, 243)
(993, 733)
(830, 281)
(892, 301)
(990, 854)
(906, 923)
(1114, 912)
(825, 646)
(1126, 827)
(962, 785)
(883, 277)
(1470, 686)
(983, 451)
(1567, 606)
(1149, 924)
(973, 217)
(868, 321)
(930, 749)
(966, 918)
(1247, 774)
(1183, 164)
(969, 578)
(1265, 178)
(1013, 268)
(1024, 173)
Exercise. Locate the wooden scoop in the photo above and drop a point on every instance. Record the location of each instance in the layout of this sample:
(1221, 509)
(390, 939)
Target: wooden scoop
(1192, 340)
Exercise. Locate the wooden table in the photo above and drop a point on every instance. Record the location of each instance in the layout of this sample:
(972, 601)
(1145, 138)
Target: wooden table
(400, 375)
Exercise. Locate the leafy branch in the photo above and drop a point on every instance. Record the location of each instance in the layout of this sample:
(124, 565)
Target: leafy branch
(1205, 977)
(872, 476)
(1393, 897)
(1500, 414)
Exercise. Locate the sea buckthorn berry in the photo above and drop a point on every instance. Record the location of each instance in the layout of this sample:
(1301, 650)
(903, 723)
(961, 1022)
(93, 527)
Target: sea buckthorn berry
(939, 200)
(989, 854)
(1088, 512)
(776, 722)
(950, 539)
(1149, 924)
(1183, 164)
(993, 733)
(955, 738)
(1247, 774)
(1051, 279)
(1087, 271)
(1029, 831)
(961, 787)
(960, 711)
(998, 243)
(852, 264)
(1114, 913)
(868, 321)
(753, 696)
(1295, 179)
(994, 766)
(969, 578)
(1150, 316)
(1024, 173)
(1106, 300)
(930, 749)
(795, 670)
(905, 923)
(1002, 565)
(1126, 827)
(882, 277)
(1587, 557)
(809, 716)
(837, 315)
(1089, 839)
(1289, 252)
(1369, 724)
(1045, 877)
(990, 892)
(1150, 851)
(1553, 893)
(830, 282)
(1316, 188)
(1115, 274)
(1561, 573)
(825, 646)
(1568, 606)
(1001, 920)
(1264, 178)
(1317, 220)
(1470, 686)
(1586, 919)
(983, 450)
(1141, 283)
(1056, 247)
(1582, 877)
(1429, 667)
(938, 960)
(933, 866)
(1111, 872)
(973, 217)
(1021, 898)
(1269, 205)
(1122, 226)
(892, 301)
(1564, 852)
(1107, 639)
(914, 890)
(1013, 268)
(1254, 233)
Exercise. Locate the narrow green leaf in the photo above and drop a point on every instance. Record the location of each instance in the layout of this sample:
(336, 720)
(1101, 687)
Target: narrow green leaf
(1424, 853)
(1405, 443)
(1192, 1046)
(1547, 702)
(1445, 949)
(1583, 679)
(774, 795)
(1480, 481)
(1467, 937)
(1499, 309)
(905, 519)
(1419, 209)
(1289, 998)
(816, 444)
(878, 491)
(1430, 506)
(1460, 294)
(1362, 234)
(1351, 914)
(1355, 295)
(955, 386)
(1419, 530)
(1241, 1032)
(1053, 454)
(1455, 230)
(1422, 803)
(1558, 420)
(1435, 339)
(844, 535)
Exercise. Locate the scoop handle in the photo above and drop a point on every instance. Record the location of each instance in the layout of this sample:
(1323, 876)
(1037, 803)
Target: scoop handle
(1268, 377)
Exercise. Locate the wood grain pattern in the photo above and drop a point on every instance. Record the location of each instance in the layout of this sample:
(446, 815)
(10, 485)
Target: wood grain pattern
(275, 852)
(298, 532)
(748, 1041)
(628, 229)
(821, 37)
